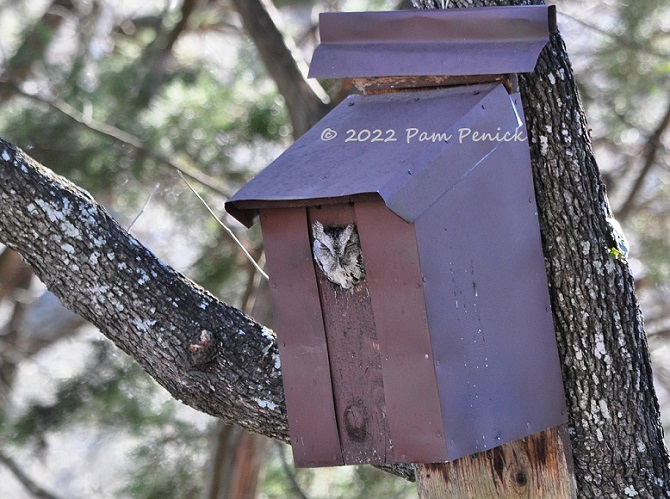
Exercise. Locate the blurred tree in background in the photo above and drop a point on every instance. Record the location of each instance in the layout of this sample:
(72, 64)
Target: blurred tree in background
(123, 98)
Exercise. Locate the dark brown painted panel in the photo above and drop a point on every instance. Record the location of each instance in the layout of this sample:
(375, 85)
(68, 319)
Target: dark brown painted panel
(302, 340)
(410, 387)
(355, 359)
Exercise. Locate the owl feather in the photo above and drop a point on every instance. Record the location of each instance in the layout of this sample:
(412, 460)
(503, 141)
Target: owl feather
(337, 252)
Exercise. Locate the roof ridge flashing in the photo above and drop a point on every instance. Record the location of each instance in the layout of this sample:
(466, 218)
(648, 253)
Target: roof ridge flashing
(431, 42)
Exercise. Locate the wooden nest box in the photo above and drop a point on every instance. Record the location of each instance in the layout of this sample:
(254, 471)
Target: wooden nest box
(403, 247)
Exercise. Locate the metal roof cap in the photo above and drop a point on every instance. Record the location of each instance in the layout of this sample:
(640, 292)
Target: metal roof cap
(486, 40)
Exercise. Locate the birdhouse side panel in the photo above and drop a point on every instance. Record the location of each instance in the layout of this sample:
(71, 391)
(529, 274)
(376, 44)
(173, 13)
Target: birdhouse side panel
(353, 347)
(488, 307)
(410, 386)
(301, 337)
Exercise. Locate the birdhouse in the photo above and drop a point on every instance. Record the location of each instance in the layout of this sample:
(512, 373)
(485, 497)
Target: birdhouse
(403, 246)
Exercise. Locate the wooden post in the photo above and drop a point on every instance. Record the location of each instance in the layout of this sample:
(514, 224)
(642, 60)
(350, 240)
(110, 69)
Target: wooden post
(537, 466)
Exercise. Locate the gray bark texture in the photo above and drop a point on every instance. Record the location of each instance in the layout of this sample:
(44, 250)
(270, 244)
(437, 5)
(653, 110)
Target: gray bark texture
(615, 427)
(209, 355)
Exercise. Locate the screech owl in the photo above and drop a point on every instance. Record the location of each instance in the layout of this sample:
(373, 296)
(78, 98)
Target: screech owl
(337, 251)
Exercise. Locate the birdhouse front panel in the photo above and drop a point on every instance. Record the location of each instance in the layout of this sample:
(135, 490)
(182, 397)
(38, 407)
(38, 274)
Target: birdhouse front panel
(301, 338)
(353, 343)
(381, 386)
(398, 304)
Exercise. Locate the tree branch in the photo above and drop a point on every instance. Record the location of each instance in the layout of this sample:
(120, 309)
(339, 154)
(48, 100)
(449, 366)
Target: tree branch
(195, 346)
(651, 150)
(159, 54)
(305, 100)
(118, 135)
(25, 480)
(207, 354)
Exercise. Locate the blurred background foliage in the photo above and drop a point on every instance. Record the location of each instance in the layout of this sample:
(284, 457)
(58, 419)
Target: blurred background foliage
(120, 97)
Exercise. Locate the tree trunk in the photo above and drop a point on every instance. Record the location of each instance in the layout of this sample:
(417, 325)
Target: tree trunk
(616, 433)
(614, 427)
(236, 463)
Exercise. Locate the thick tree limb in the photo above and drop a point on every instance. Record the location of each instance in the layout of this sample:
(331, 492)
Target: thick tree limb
(207, 354)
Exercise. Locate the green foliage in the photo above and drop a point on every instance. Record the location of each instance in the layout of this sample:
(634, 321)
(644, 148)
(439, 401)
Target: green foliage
(111, 391)
(627, 92)
(630, 66)
(196, 115)
(168, 467)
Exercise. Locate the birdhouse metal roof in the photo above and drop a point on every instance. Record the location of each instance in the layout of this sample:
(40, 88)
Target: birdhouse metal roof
(479, 41)
(408, 148)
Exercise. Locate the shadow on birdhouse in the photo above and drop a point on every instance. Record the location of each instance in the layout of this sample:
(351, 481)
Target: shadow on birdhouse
(403, 245)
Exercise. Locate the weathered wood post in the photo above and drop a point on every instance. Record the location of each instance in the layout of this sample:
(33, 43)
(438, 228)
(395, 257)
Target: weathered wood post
(405, 260)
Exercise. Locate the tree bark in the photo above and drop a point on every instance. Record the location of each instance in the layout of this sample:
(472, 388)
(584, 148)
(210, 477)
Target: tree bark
(207, 354)
(616, 433)
(615, 428)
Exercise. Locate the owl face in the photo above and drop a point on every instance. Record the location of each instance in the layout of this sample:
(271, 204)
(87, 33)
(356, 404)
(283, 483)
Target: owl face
(337, 251)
